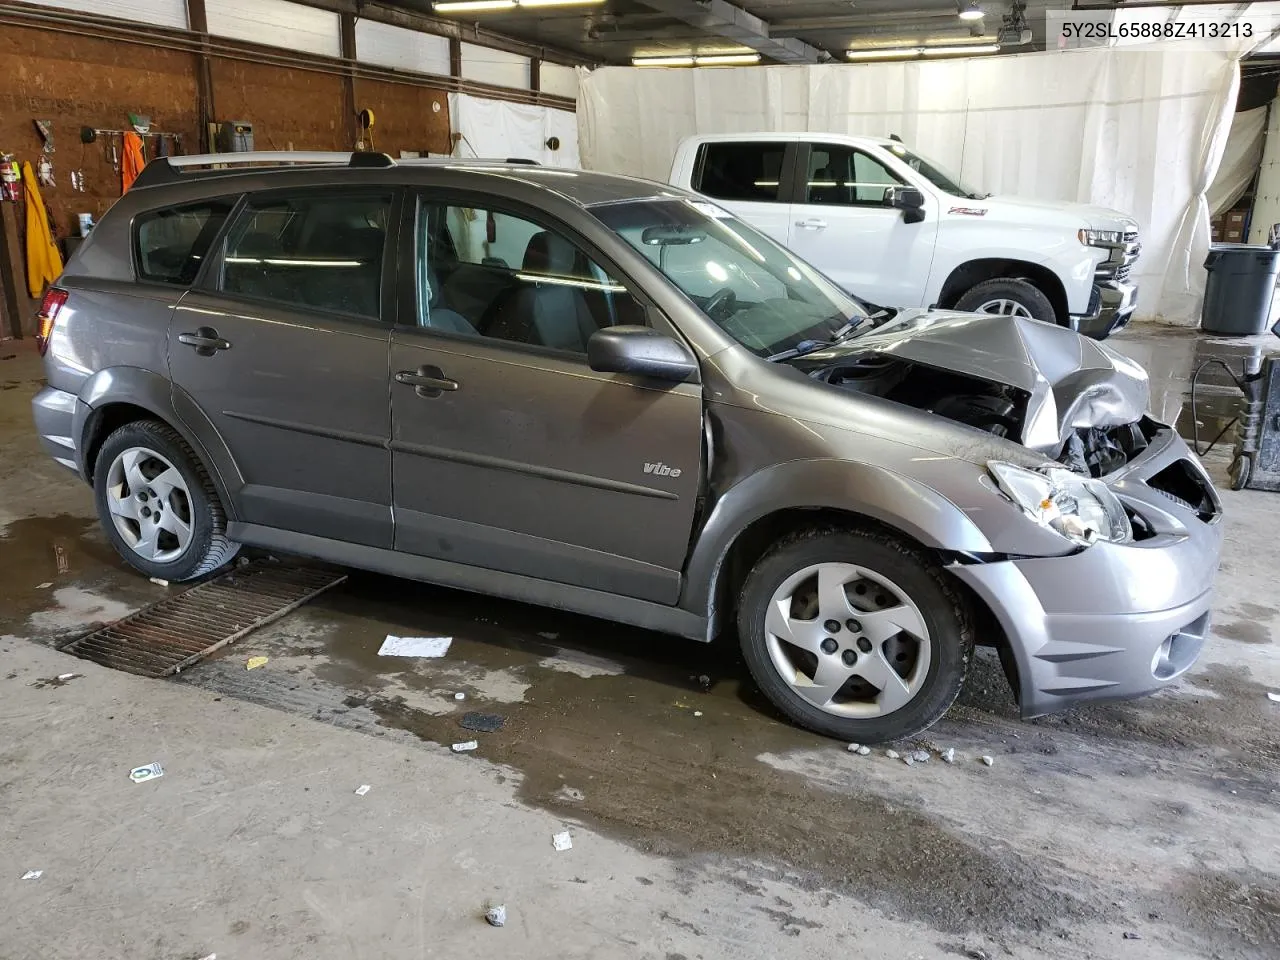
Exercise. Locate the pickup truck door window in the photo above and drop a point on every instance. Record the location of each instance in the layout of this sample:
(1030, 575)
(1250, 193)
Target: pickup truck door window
(508, 451)
(842, 227)
(750, 178)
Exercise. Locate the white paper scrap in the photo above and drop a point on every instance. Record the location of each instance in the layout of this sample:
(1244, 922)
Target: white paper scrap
(149, 772)
(414, 646)
(1273, 696)
(465, 746)
(562, 841)
(362, 789)
(33, 875)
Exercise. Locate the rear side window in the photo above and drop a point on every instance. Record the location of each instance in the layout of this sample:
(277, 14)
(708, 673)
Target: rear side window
(740, 171)
(172, 244)
(312, 252)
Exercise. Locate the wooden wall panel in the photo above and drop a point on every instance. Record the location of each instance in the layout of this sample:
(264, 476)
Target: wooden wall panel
(289, 109)
(404, 118)
(81, 81)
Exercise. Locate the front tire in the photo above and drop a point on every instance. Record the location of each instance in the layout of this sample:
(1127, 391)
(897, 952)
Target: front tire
(157, 504)
(854, 635)
(1007, 296)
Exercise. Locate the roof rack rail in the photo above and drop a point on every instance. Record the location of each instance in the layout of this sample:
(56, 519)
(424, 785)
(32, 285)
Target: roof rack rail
(170, 169)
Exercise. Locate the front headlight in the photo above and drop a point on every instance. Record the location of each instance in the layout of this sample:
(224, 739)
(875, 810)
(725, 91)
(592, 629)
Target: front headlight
(1081, 509)
(1101, 238)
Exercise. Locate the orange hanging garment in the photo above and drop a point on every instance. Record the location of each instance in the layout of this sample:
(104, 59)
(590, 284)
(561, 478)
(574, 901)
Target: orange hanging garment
(132, 161)
(44, 262)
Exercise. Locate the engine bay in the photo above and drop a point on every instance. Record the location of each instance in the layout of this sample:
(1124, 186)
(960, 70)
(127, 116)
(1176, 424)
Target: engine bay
(992, 407)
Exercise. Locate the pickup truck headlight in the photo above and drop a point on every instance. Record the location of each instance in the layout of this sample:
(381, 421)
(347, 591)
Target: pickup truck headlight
(1082, 510)
(1101, 238)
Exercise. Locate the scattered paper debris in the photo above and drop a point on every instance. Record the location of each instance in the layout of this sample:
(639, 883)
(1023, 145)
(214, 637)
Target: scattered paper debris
(465, 746)
(64, 677)
(44, 586)
(949, 755)
(496, 915)
(212, 956)
(988, 760)
(570, 794)
(855, 747)
(150, 772)
(1274, 697)
(362, 789)
(255, 662)
(482, 722)
(864, 751)
(414, 646)
(893, 754)
(459, 695)
(1130, 935)
(562, 841)
(697, 713)
(159, 583)
(33, 875)
(920, 756)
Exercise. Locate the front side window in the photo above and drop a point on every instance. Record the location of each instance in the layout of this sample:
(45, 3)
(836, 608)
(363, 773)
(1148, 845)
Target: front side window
(760, 294)
(485, 273)
(313, 252)
(847, 177)
(171, 244)
(740, 171)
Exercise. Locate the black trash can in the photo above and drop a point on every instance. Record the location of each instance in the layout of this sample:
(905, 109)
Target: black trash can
(1237, 296)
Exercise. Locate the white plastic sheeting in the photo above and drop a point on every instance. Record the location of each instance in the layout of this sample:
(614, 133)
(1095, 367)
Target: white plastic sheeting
(1140, 130)
(1266, 203)
(497, 130)
(559, 80)
(1239, 161)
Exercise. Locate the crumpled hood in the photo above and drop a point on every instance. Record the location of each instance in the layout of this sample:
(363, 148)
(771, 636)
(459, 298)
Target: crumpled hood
(1072, 381)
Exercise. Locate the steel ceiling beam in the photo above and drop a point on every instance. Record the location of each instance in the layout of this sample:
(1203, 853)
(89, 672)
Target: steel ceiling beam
(722, 19)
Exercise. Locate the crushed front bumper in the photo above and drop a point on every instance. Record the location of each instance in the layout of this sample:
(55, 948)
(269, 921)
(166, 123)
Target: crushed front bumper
(1110, 308)
(1114, 621)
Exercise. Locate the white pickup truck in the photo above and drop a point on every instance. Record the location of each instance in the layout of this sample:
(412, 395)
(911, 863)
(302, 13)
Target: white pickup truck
(894, 229)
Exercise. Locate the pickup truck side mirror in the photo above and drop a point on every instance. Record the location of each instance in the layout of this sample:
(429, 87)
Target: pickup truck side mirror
(630, 348)
(907, 199)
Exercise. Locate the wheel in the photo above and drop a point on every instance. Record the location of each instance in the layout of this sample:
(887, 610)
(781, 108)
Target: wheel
(1016, 298)
(157, 504)
(854, 635)
(1241, 467)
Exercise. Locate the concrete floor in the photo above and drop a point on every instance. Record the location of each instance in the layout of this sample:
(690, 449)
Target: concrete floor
(706, 827)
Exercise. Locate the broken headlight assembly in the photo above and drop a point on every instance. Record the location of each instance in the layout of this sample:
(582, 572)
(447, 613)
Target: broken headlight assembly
(1081, 509)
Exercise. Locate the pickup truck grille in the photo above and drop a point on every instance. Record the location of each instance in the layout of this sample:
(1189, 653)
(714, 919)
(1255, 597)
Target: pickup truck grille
(1122, 273)
(1131, 236)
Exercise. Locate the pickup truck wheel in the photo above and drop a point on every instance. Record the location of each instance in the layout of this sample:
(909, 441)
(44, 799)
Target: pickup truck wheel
(157, 504)
(854, 635)
(1016, 298)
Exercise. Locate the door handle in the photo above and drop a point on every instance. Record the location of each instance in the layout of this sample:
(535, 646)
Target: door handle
(811, 224)
(428, 381)
(205, 340)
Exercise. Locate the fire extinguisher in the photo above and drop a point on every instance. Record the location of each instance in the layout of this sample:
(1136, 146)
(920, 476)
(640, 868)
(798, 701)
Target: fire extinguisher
(10, 178)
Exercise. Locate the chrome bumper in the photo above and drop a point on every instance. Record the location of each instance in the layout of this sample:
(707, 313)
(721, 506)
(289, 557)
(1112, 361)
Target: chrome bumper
(1115, 620)
(1110, 307)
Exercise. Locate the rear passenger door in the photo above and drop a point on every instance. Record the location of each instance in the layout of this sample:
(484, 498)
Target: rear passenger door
(753, 179)
(509, 452)
(282, 349)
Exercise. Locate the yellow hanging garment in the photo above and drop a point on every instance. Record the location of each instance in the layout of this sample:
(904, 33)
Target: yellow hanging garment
(44, 262)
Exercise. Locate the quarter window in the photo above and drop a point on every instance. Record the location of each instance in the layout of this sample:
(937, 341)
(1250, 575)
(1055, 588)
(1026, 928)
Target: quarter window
(484, 273)
(740, 171)
(845, 176)
(171, 244)
(313, 252)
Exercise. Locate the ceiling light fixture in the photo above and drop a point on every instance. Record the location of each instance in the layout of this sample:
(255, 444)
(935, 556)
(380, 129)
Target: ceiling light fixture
(971, 11)
(473, 6)
(556, 3)
(937, 50)
(698, 60)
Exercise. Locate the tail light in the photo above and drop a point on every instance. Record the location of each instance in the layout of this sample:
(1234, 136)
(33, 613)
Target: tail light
(49, 307)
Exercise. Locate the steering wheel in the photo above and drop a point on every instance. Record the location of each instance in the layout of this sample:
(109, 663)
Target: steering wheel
(721, 302)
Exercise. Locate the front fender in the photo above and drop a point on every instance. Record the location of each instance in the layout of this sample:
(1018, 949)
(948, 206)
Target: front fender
(897, 501)
(145, 389)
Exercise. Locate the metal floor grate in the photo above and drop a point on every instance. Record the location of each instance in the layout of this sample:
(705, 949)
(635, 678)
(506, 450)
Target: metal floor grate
(169, 636)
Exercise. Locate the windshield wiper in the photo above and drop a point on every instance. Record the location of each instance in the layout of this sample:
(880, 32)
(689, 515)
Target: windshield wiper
(809, 346)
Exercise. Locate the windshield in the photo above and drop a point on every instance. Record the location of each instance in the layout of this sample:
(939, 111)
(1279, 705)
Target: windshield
(756, 291)
(940, 178)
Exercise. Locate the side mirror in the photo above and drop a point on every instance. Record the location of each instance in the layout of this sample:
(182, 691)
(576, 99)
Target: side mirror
(639, 350)
(907, 199)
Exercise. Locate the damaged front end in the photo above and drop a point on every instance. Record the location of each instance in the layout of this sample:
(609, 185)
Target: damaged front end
(1072, 399)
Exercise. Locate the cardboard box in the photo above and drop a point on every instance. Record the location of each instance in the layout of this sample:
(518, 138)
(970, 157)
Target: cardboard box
(1235, 217)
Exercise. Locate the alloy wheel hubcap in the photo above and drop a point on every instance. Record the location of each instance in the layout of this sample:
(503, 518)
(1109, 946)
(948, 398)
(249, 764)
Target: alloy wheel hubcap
(150, 505)
(1009, 308)
(873, 664)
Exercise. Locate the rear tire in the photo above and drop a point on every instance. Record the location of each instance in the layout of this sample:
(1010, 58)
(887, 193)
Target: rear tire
(1005, 295)
(834, 611)
(157, 504)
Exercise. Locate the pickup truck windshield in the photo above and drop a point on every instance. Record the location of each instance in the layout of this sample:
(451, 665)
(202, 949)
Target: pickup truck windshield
(934, 174)
(756, 291)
